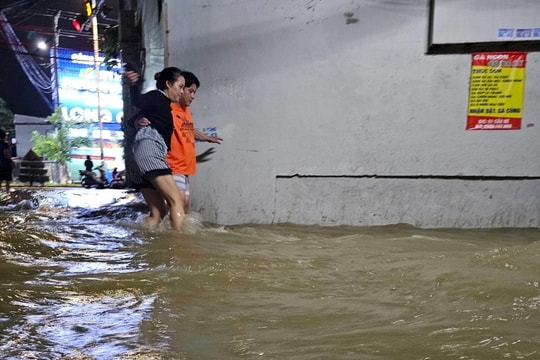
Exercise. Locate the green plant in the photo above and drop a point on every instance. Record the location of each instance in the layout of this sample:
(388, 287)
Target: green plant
(110, 47)
(6, 118)
(57, 145)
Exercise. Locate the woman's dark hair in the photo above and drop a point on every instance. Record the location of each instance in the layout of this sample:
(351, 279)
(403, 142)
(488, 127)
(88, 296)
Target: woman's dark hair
(2, 134)
(168, 74)
(191, 79)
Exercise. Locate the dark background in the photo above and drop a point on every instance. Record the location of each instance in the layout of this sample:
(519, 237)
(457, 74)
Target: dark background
(33, 20)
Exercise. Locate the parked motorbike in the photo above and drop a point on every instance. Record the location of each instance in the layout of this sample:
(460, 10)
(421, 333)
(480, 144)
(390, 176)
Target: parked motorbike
(118, 181)
(89, 180)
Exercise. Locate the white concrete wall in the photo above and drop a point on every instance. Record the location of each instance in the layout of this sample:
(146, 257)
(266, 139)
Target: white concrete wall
(153, 26)
(357, 110)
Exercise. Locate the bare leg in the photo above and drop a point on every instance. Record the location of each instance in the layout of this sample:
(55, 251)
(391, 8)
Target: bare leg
(182, 187)
(156, 203)
(166, 185)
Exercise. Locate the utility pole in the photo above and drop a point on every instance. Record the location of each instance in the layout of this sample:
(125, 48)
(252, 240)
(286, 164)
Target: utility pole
(56, 43)
(97, 65)
(129, 41)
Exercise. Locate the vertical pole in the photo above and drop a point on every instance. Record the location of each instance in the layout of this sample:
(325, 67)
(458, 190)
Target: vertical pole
(129, 42)
(56, 43)
(97, 65)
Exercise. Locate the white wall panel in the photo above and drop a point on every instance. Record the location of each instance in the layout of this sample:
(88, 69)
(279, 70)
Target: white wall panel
(338, 88)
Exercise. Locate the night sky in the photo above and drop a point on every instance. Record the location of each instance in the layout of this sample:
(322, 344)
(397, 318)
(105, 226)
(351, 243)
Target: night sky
(15, 88)
(30, 24)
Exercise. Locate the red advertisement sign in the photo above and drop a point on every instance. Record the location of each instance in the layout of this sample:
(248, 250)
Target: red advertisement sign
(496, 91)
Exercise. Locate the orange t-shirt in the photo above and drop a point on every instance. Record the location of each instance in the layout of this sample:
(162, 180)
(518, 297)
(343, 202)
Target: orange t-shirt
(182, 157)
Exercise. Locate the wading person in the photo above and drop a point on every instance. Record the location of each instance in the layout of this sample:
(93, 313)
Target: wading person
(152, 142)
(182, 158)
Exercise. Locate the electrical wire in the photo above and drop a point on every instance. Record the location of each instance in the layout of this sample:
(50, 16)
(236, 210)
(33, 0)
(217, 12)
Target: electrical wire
(36, 75)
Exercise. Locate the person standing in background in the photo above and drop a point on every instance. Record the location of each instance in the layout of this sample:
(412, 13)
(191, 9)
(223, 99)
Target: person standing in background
(6, 163)
(88, 164)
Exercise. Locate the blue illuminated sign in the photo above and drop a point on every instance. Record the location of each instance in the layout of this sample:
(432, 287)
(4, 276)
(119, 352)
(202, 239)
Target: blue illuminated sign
(79, 88)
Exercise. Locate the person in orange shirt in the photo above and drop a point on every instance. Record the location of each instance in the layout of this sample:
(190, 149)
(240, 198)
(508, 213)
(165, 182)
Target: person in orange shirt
(182, 158)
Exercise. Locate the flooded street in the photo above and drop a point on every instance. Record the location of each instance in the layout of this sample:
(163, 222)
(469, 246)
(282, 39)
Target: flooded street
(81, 279)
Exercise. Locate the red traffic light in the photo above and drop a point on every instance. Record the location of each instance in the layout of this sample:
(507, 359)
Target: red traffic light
(76, 25)
(79, 21)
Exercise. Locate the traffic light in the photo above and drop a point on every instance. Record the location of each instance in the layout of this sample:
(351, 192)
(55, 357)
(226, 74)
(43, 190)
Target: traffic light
(88, 10)
(79, 21)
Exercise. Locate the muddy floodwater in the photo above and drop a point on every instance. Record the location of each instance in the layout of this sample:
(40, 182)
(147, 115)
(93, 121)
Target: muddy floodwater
(81, 279)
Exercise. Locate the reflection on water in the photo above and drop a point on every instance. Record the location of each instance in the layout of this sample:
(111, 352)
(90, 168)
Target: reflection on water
(82, 280)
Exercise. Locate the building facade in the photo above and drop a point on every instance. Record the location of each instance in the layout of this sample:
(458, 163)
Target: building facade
(333, 112)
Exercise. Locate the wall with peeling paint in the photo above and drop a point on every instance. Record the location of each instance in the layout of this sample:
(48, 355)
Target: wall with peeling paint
(332, 114)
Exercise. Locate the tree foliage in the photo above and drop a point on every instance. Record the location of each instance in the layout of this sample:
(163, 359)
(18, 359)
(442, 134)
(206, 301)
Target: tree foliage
(6, 117)
(110, 47)
(57, 145)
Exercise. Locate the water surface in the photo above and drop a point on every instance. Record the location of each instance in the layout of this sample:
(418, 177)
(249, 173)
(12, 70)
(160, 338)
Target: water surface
(81, 279)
